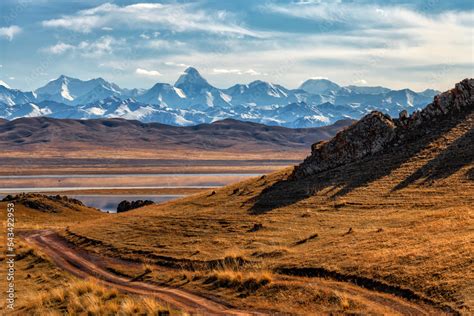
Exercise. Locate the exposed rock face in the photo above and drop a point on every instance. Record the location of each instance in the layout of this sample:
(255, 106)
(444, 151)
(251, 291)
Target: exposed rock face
(377, 131)
(366, 137)
(125, 205)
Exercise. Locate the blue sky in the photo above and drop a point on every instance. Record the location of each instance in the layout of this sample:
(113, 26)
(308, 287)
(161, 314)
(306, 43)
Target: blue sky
(398, 44)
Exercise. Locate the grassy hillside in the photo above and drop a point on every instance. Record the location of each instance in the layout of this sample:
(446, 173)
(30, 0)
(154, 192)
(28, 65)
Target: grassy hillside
(398, 221)
(44, 289)
(41, 287)
(37, 211)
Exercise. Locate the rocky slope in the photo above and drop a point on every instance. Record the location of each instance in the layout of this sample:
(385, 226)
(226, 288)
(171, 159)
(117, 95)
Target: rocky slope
(377, 131)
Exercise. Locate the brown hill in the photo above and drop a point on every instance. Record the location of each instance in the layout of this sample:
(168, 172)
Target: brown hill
(397, 219)
(64, 135)
(41, 211)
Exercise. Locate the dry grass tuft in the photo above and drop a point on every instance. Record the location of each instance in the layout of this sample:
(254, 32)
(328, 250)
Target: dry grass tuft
(90, 298)
(239, 280)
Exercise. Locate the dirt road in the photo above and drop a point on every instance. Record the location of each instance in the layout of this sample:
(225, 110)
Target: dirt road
(84, 265)
(72, 261)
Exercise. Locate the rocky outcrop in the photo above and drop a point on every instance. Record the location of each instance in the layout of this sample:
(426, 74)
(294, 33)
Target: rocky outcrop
(366, 137)
(125, 205)
(377, 131)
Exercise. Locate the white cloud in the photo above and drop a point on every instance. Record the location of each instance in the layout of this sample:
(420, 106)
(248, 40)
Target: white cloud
(360, 82)
(368, 16)
(221, 71)
(11, 78)
(226, 71)
(84, 24)
(374, 42)
(116, 65)
(172, 16)
(173, 64)
(104, 45)
(147, 73)
(108, 29)
(252, 72)
(59, 48)
(164, 44)
(10, 32)
(319, 78)
(330, 13)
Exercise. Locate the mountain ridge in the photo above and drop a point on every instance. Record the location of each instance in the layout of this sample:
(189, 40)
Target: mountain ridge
(193, 100)
(65, 134)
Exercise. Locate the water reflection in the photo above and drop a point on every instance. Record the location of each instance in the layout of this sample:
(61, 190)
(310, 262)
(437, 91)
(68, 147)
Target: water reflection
(42, 183)
(108, 203)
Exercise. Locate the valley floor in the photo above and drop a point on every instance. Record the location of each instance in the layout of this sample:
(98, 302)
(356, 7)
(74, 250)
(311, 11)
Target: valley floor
(389, 234)
(400, 221)
(177, 291)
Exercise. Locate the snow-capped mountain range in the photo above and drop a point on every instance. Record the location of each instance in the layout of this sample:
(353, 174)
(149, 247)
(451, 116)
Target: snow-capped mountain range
(192, 100)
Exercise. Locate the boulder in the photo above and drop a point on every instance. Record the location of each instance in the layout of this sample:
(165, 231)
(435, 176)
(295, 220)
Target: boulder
(125, 205)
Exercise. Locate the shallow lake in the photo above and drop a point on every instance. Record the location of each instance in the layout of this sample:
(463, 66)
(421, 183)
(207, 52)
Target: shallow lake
(108, 203)
(45, 183)
(11, 184)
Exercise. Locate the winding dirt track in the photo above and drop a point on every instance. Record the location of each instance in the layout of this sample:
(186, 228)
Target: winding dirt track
(82, 265)
(72, 261)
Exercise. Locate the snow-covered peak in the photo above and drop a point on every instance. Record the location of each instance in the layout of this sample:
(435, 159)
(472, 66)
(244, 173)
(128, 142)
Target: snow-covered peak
(65, 92)
(430, 93)
(367, 89)
(319, 86)
(193, 100)
(3, 83)
(191, 77)
(74, 91)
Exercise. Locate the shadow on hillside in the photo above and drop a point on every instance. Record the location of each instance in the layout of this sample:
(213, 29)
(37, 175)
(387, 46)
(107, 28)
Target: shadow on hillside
(444, 165)
(470, 174)
(344, 179)
(335, 182)
(281, 193)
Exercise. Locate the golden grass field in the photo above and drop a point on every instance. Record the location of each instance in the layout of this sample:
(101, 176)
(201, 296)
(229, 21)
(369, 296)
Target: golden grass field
(389, 234)
(44, 289)
(400, 222)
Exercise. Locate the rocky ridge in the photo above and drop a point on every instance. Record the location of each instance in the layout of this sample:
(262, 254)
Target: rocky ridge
(377, 131)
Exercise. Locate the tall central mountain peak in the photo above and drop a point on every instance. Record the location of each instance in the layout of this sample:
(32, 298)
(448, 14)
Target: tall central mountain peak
(191, 78)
